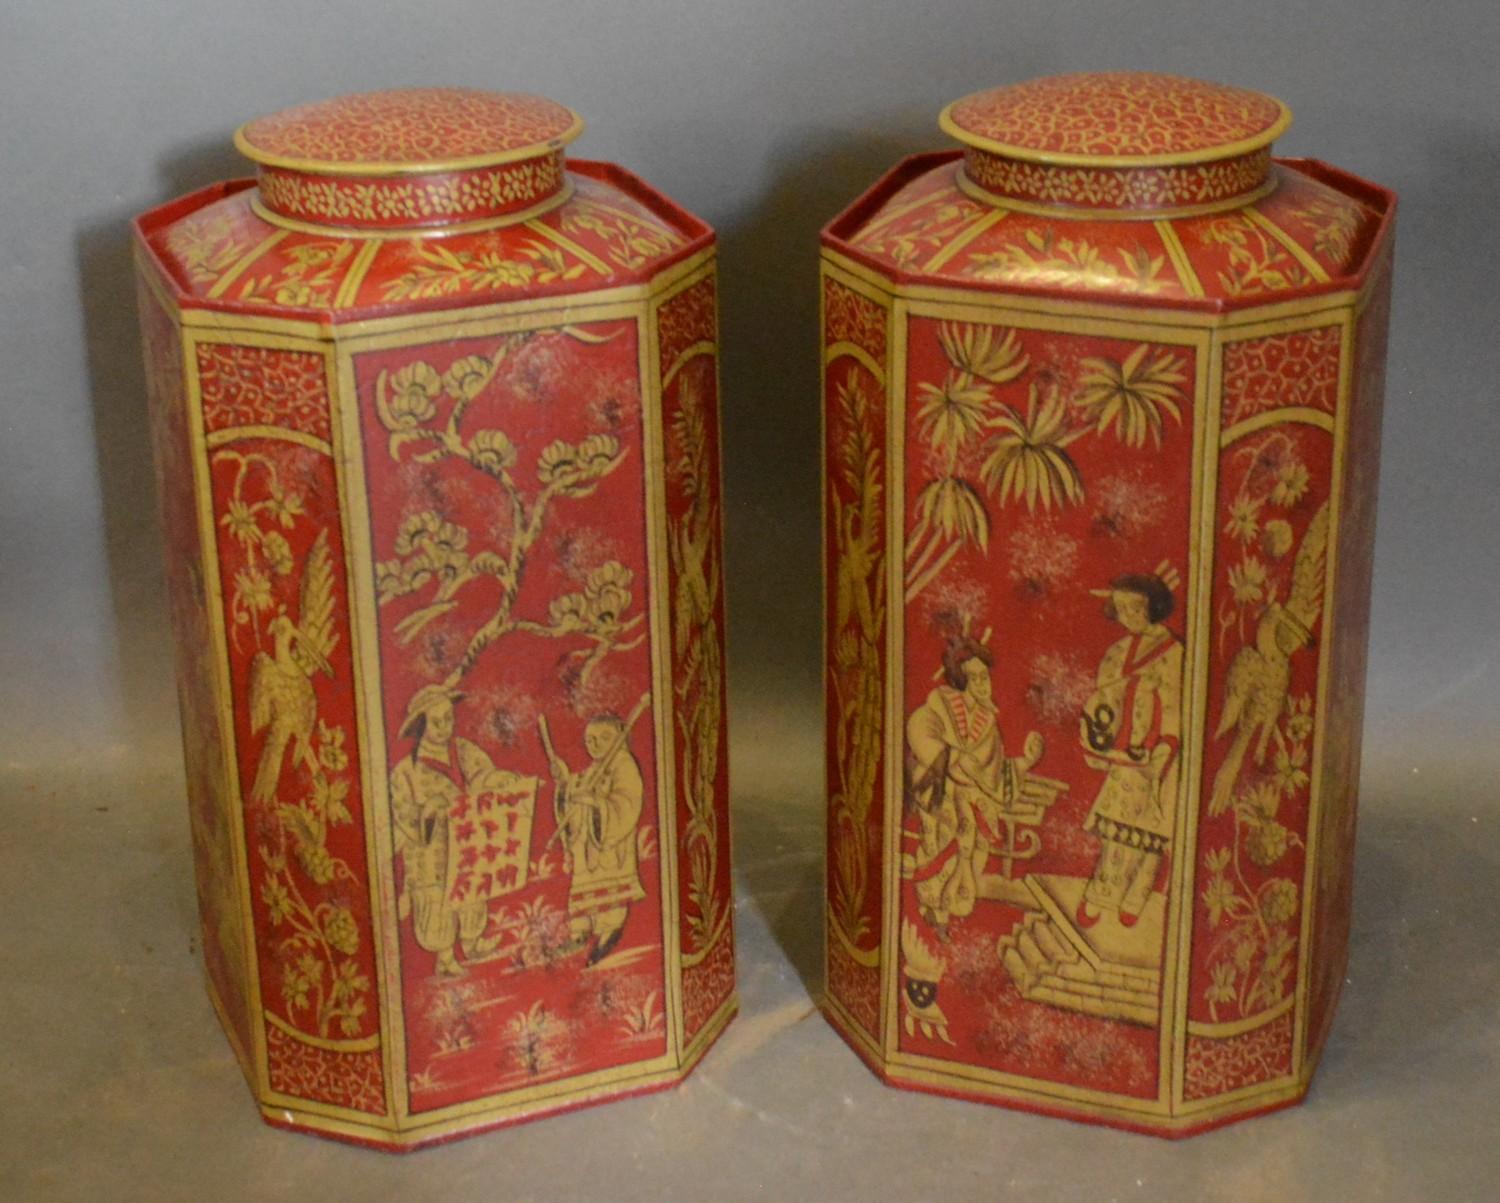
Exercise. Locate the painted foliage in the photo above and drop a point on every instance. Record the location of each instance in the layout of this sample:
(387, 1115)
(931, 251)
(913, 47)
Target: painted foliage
(1272, 526)
(1047, 487)
(688, 361)
(286, 621)
(854, 513)
(506, 505)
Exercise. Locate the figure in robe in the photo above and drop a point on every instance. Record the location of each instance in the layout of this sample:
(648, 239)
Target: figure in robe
(1131, 730)
(599, 810)
(438, 794)
(960, 780)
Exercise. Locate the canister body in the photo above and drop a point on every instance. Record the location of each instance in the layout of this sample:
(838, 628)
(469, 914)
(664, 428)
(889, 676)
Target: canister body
(442, 518)
(1098, 520)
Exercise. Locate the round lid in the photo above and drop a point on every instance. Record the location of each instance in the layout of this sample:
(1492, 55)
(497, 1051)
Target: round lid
(1124, 144)
(434, 160)
(409, 131)
(1117, 119)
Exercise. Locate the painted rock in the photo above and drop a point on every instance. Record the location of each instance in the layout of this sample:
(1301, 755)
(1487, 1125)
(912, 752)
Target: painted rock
(435, 419)
(1102, 401)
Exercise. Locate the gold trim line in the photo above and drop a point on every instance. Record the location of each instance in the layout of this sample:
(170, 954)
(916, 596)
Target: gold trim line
(978, 192)
(270, 216)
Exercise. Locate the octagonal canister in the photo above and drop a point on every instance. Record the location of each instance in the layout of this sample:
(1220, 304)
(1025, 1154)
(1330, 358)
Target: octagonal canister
(435, 419)
(1102, 403)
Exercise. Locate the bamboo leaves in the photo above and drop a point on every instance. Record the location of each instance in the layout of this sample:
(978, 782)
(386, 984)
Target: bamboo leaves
(990, 449)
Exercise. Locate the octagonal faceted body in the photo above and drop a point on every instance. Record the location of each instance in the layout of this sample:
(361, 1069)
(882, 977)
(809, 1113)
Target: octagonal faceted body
(1102, 417)
(436, 427)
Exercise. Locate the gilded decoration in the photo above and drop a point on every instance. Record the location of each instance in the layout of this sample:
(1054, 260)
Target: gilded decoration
(856, 637)
(260, 386)
(208, 245)
(309, 276)
(630, 240)
(492, 264)
(1122, 113)
(1217, 1066)
(1053, 255)
(852, 317)
(415, 201)
(323, 1074)
(1300, 368)
(413, 126)
(1149, 188)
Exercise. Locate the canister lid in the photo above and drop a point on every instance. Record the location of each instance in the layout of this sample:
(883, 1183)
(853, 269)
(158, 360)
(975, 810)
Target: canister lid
(414, 158)
(1134, 142)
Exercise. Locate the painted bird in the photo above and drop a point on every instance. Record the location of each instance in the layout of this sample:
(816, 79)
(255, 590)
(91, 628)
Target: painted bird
(1255, 689)
(283, 702)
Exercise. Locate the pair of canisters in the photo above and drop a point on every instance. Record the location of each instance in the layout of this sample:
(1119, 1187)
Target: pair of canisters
(436, 423)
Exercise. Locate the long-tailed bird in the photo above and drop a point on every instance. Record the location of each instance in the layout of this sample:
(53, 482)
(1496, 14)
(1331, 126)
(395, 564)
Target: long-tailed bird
(283, 702)
(1256, 687)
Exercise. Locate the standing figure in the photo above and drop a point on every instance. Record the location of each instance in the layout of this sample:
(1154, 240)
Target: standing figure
(434, 791)
(960, 779)
(598, 811)
(1131, 730)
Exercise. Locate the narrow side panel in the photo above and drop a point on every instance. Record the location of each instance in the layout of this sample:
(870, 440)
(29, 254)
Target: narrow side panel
(285, 613)
(1267, 680)
(687, 359)
(856, 491)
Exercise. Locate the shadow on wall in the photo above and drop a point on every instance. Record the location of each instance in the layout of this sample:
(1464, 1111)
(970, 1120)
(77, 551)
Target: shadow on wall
(769, 333)
(122, 447)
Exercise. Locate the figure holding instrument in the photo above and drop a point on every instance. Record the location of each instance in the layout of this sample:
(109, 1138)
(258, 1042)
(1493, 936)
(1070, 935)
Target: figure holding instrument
(598, 810)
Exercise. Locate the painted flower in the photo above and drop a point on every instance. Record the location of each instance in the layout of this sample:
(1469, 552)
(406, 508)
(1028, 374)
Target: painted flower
(1221, 989)
(412, 391)
(1218, 897)
(316, 862)
(426, 531)
(1247, 581)
(1299, 720)
(492, 451)
(1277, 540)
(331, 752)
(278, 552)
(1290, 774)
(340, 930)
(589, 460)
(1267, 842)
(467, 376)
(1278, 901)
(608, 591)
(1244, 523)
(1291, 484)
(570, 611)
(286, 506)
(254, 588)
(278, 901)
(239, 521)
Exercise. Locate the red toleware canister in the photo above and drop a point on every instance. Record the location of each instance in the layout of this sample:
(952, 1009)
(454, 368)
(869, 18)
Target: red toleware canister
(1102, 399)
(435, 418)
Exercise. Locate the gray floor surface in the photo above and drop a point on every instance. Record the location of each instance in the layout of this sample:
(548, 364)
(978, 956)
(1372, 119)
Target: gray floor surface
(117, 1084)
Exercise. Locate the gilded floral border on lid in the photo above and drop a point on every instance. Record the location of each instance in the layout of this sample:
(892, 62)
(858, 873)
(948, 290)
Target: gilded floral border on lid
(387, 133)
(1030, 112)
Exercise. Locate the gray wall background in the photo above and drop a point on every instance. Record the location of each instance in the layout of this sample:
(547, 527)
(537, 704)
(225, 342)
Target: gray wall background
(765, 118)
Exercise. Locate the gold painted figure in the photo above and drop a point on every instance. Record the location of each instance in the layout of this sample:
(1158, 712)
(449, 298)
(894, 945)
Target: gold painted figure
(961, 783)
(598, 811)
(434, 792)
(1131, 730)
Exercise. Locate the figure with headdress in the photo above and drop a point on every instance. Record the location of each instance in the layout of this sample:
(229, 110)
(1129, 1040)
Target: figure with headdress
(463, 830)
(1131, 730)
(598, 811)
(960, 782)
